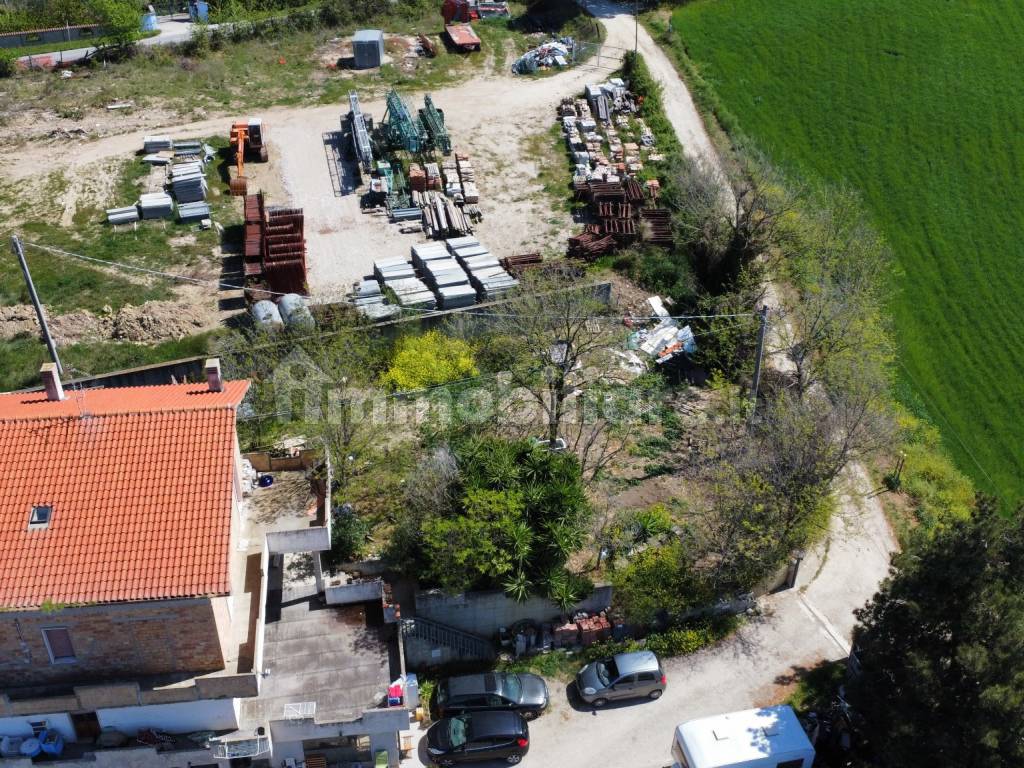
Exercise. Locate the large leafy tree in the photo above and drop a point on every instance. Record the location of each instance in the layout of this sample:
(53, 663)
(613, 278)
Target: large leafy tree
(942, 645)
(485, 512)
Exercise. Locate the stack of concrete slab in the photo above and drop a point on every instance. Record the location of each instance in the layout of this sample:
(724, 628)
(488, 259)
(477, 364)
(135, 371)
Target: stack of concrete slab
(426, 252)
(369, 300)
(492, 282)
(455, 296)
(196, 211)
(188, 182)
(440, 272)
(486, 274)
(122, 215)
(156, 205)
(395, 268)
(153, 144)
(188, 148)
(412, 292)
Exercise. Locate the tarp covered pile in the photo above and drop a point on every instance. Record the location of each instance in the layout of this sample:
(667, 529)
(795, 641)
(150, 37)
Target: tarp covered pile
(554, 53)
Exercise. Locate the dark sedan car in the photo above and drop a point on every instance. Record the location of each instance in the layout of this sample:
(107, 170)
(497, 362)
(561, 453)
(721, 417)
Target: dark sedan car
(494, 735)
(526, 694)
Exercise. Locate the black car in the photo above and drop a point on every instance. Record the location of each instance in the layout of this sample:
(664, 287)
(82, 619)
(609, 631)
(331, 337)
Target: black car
(526, 694)
(493, 735)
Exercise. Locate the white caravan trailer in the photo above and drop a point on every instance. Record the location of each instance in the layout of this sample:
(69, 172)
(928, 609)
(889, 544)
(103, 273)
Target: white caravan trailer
(755, 738)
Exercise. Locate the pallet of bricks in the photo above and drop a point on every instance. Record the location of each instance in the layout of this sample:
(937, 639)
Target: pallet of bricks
(585, 631)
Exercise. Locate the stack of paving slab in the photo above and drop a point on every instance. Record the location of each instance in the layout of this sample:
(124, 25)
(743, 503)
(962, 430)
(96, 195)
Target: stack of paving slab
(122, 215)
(397, 274)
(369, 300)
(156, 205)
(196, 211)
(486, 275)
(188, 148)
(152, 144)
(395, 268)
(444, 275)
(188, 182)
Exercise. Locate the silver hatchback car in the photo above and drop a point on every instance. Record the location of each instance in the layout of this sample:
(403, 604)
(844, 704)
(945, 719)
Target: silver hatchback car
(623, 676)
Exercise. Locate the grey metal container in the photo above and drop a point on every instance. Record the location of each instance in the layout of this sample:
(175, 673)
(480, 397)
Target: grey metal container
(368, 48)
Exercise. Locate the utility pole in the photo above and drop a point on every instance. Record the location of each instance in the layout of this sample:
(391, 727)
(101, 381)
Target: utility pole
(20, 253)
(636, 26)
(758, 359)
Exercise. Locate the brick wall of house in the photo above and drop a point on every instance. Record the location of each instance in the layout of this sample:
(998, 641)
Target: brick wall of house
(111, 642)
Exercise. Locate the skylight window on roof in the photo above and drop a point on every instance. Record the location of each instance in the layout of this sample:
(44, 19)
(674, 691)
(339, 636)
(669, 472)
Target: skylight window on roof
(40, 516)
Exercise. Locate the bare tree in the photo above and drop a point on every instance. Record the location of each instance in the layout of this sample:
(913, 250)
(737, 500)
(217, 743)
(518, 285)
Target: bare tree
(729, 224)
(834, 318)
(562, 350)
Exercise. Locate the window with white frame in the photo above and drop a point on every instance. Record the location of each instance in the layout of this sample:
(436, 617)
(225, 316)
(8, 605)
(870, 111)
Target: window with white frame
(37, 726)
(58, 645)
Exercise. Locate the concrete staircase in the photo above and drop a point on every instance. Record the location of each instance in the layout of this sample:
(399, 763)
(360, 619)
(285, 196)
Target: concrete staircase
(430, 644)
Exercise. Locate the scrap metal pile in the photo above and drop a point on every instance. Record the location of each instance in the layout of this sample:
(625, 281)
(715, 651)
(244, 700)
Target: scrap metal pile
(610, 144)
(275, 246)
(456, 273)
(555, 53)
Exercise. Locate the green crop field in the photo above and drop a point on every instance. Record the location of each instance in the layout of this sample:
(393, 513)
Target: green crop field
(920, 106)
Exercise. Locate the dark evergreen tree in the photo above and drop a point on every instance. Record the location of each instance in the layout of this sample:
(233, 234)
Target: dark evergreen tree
(942, 645)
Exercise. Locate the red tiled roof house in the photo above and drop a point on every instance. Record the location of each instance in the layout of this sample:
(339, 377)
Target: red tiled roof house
(117, 513)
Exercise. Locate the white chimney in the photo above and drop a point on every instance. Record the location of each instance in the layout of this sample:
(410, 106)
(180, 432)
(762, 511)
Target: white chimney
(51, 380)
(213, 377)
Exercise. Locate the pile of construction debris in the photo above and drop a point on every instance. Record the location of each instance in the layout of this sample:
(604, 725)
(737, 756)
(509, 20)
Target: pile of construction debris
(450, 275)
(664, 340)
(554, 53)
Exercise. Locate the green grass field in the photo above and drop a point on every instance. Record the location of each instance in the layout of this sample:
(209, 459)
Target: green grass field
(920, 106)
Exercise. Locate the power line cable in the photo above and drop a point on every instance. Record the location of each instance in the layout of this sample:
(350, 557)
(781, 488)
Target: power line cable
(478, 313)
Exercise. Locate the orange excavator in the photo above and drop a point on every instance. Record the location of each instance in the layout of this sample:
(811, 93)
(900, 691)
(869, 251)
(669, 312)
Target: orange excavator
(246, 140)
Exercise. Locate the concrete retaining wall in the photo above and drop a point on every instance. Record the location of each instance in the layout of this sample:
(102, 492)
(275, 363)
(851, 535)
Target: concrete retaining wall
(484, 613)
(217, 715)
(84, 32)
(129, 757)
(359, 592)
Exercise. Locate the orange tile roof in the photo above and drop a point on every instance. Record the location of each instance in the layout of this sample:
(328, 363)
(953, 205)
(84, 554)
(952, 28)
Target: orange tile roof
(139, 479)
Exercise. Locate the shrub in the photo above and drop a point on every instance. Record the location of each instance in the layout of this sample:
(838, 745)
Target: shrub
(428, 360)
(7, 65)
(659, 582)
(348, 537)
(691, 638)
(198, 44)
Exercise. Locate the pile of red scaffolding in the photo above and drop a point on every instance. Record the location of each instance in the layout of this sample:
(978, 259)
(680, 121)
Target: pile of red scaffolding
(520, 263)
(275, 247)
(622, 217)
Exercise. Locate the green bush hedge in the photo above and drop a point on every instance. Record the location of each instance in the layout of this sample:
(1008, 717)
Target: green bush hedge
(689, 637)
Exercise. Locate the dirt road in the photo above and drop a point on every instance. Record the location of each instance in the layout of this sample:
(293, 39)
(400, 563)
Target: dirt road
(798, 628)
